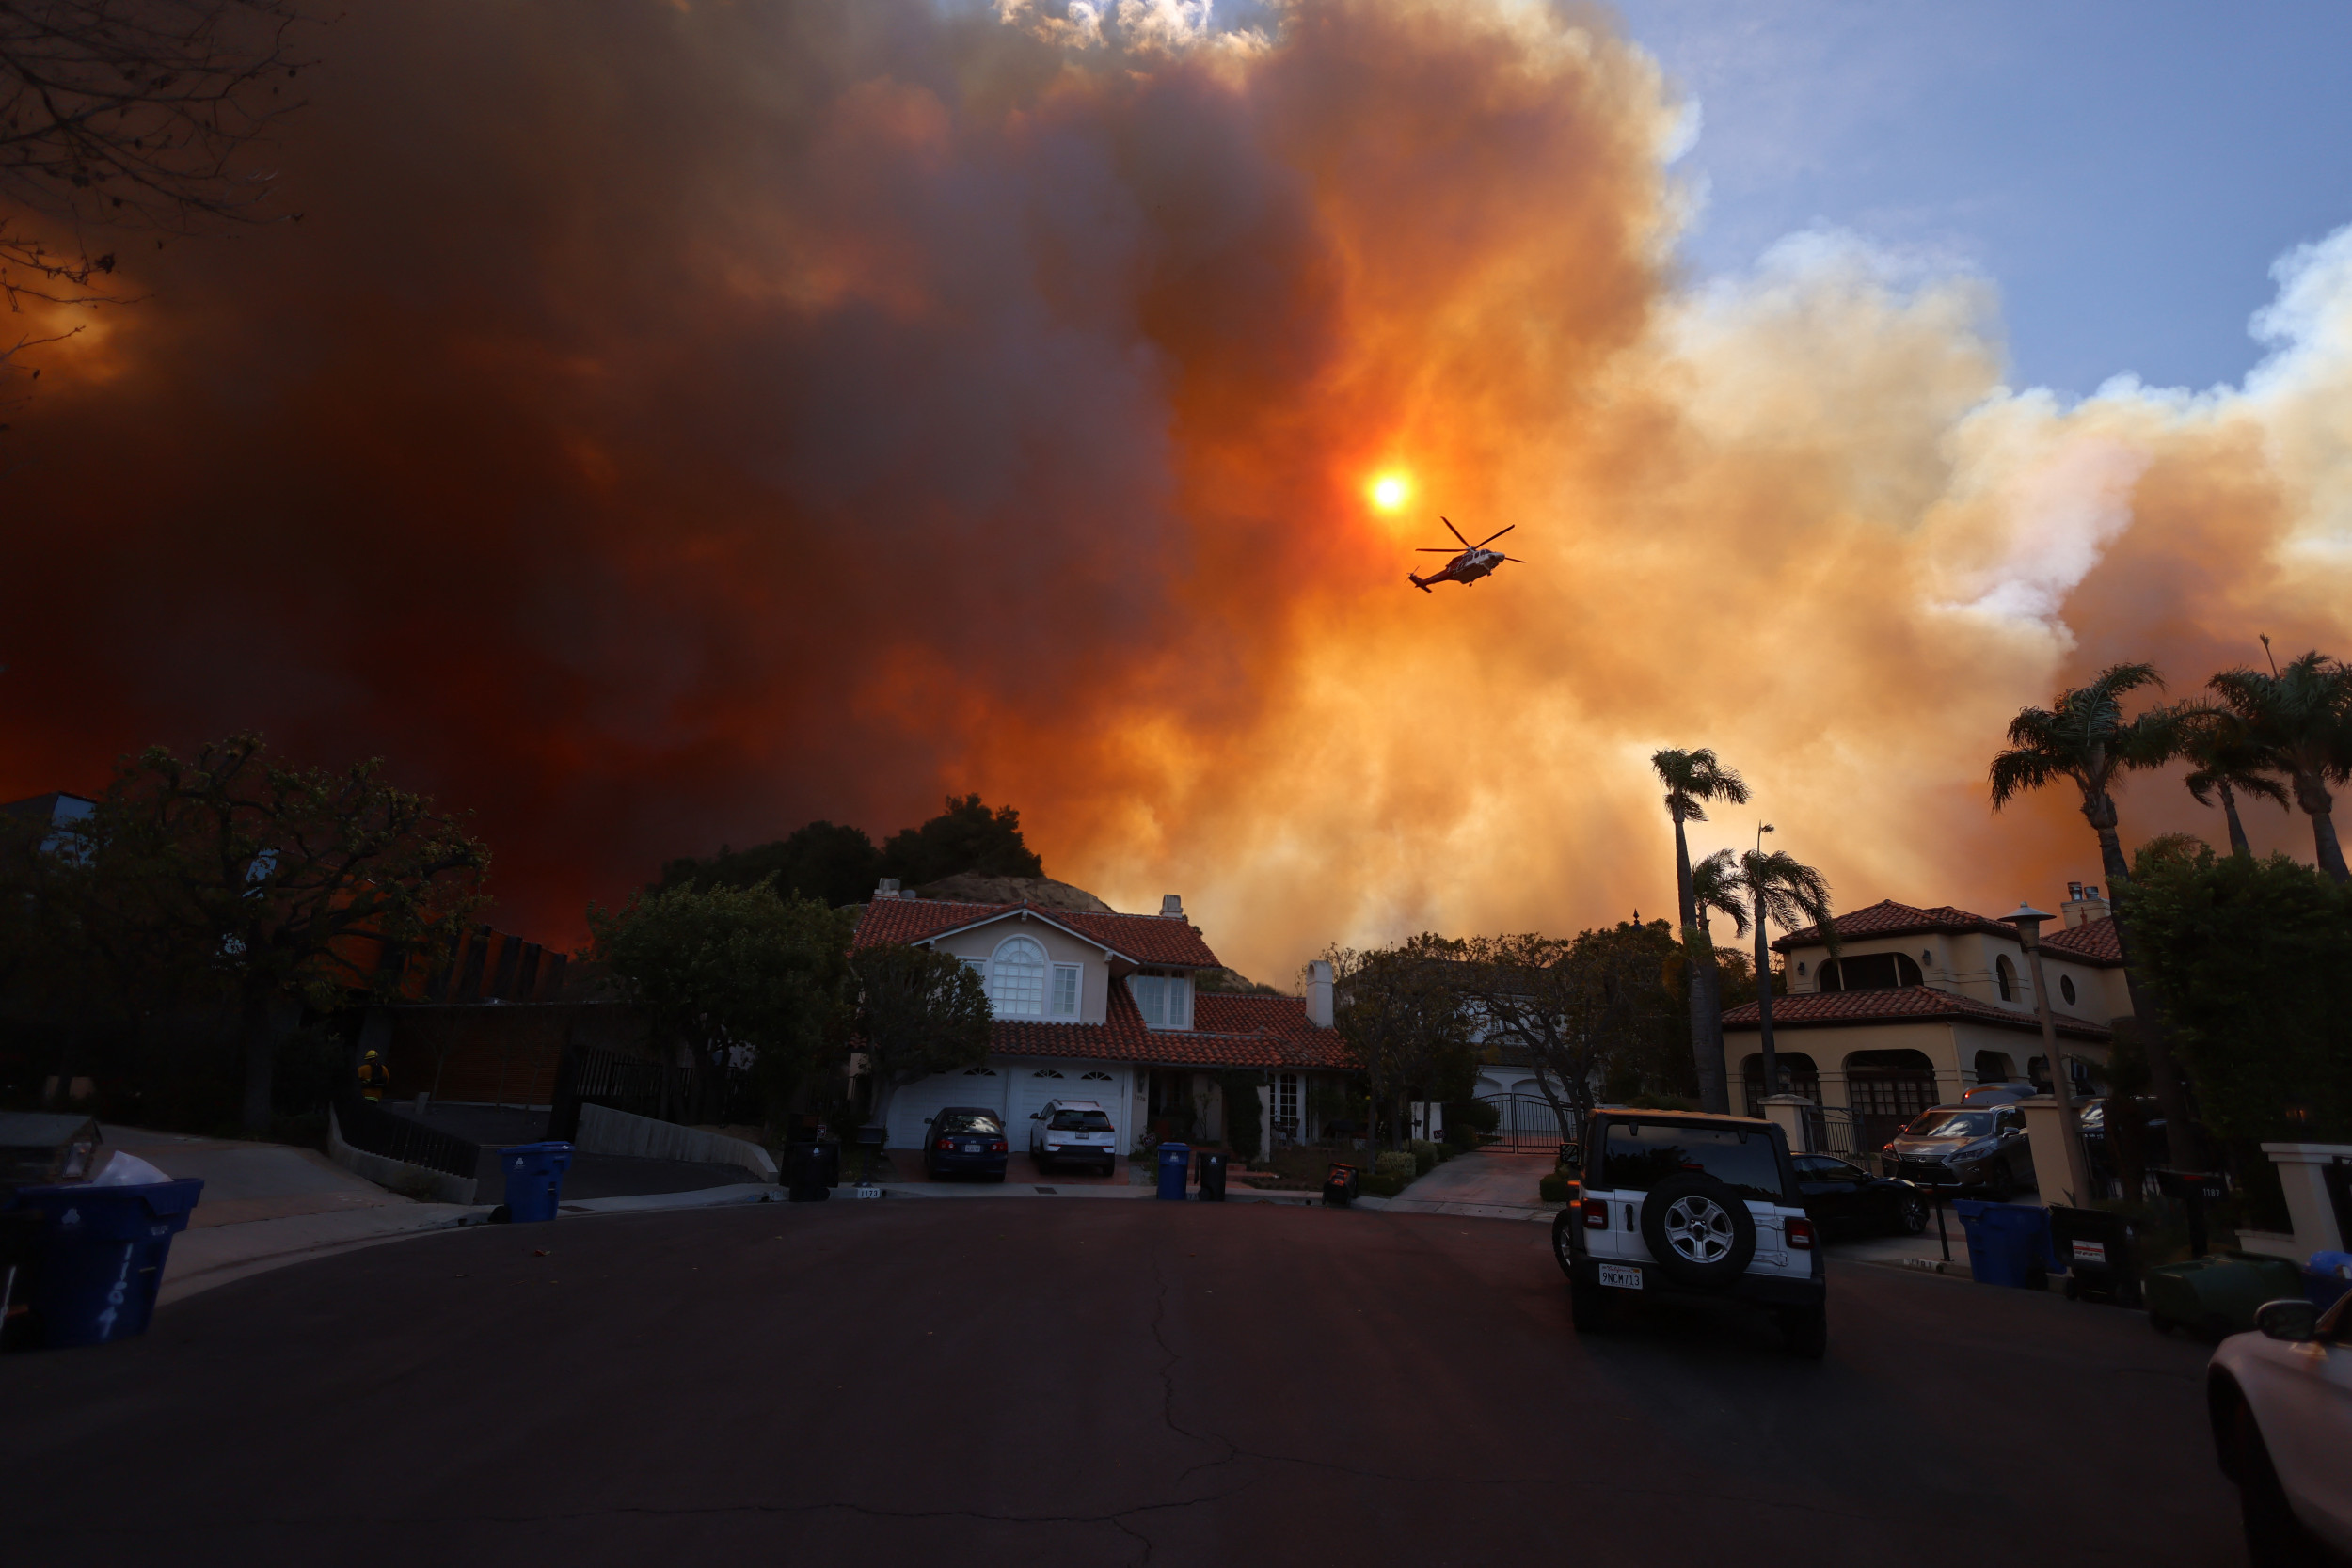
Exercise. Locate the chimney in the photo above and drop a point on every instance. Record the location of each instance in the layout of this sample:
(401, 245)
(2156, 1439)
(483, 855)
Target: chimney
(1319, 994)
(2082, 905)
(1171, 907)
(889, 889)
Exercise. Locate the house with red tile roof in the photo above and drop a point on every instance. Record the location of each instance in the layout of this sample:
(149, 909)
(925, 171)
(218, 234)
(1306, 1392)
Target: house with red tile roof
(1919, 1004)
(1100, 1006)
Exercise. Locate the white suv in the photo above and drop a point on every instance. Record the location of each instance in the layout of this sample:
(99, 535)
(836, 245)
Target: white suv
(1673, 1205)
(1073, 1130)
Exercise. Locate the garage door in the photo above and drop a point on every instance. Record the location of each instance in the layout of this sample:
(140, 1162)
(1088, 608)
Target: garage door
(913, 1107)
(1035, 1085)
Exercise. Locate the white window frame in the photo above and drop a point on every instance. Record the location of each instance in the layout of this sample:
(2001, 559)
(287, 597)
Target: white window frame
(1176, 993)
(1076, 975)
(997, 976)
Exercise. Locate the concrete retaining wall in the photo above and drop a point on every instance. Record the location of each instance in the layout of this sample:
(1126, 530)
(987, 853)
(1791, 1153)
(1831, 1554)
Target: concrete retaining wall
(605, 1131)
(398, 1176)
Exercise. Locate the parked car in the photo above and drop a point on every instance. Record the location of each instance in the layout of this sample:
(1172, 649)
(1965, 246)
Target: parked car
(1674, 1205)
(2280, 1402)
(1843, 1197)
(1073, 1131)
(2155, 1144)
(1978, 1148)
(965, 1140)
(2004, 1093)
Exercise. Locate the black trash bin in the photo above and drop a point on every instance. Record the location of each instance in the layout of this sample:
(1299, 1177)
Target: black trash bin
(811, 1171)
(1212, 1176)
(2097, 1247)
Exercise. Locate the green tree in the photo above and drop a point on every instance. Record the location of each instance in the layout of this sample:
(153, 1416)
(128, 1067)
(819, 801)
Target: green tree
(275, 887)
(919, 1012)
(1583, 1010)
(1781, 890)
(2084, 740)
(1402, 1013)
(1693, 779)
(825, 861)
(967, 837)
(2225, 760)
(2254, 957)
(742, 977)
(2301, 718)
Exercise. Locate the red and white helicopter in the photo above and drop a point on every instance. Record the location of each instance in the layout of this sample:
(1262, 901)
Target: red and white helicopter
(1473, 563)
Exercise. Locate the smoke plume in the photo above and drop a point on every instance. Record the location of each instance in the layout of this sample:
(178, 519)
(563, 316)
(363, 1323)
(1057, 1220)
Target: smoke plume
(671, 422)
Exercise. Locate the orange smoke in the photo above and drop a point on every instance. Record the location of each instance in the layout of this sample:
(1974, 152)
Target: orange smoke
(673, 423)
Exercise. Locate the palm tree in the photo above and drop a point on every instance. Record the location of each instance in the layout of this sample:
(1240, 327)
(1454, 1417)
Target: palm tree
(2301, 718)
(1692, 779)
(2084, 740)
(2226, 761)
(1781, 888)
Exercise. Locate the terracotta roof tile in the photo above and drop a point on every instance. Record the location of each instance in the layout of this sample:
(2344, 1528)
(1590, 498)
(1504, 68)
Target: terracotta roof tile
(2095, 942)
(1887, 918)
(1144, 939)
(1901, 1005)
(1229, 1031)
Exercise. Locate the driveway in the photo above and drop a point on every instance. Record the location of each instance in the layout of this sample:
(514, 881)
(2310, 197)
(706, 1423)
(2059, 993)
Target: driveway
(1499, 1179)
(894, 1383)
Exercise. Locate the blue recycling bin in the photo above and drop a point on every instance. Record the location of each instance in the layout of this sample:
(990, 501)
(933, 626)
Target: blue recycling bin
(102, 1255)
(2325, 1277)
(2009, 1244)
(1175, 1160)
(535, 1180)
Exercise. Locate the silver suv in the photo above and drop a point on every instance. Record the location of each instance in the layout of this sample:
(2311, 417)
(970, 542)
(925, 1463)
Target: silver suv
(1673, 1205)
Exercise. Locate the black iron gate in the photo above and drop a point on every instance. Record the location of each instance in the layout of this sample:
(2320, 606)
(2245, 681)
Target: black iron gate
(1526, 1123)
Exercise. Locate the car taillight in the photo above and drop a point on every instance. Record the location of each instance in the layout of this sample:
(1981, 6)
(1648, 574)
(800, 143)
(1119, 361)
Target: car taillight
(1596, 1213)
(1000, 1147)
(947, 1143)
(1800, 1235)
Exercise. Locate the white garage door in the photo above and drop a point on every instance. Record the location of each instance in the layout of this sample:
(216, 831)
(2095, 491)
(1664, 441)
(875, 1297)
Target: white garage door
(913, 1107)
(1034, 1084)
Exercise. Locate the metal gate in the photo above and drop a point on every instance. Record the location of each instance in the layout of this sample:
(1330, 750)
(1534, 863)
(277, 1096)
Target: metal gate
(1526, 1123)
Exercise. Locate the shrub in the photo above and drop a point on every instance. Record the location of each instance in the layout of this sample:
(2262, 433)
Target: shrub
(1475, 1115)
(1424, 1156)
(1383, 1186)
(1398, 1164)
(1552, 1189)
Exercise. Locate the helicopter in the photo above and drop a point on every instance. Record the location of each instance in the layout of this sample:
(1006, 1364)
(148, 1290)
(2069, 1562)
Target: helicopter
(1473, 563)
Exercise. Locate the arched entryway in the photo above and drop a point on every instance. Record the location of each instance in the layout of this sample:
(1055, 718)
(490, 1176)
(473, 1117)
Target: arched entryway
(1796, 1070)
(1886, 1089)
(1994, 1066)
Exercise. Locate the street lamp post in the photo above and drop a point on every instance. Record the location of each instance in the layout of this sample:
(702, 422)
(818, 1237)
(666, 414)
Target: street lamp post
(2028, 922)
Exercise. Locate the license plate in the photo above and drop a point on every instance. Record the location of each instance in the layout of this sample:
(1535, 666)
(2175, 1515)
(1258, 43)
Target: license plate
(2090, 1252)
(971, 1148)
(1621, 1277)
(869, 1191)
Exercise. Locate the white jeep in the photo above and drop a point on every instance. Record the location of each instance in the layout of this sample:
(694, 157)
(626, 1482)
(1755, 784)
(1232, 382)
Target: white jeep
(1672, 1205)
(1073, 1130)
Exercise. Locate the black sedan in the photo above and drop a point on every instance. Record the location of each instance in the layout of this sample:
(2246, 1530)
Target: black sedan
(963, 1140)
(1839, 1198)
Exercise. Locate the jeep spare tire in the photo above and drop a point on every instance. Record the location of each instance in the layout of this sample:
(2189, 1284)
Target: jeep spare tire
(1698, 1230)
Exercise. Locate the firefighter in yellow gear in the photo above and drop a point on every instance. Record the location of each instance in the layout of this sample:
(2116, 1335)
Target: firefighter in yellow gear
(373, 1075)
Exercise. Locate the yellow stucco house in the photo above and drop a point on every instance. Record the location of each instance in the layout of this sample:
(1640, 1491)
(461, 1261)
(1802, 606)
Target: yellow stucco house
(1921, 1004)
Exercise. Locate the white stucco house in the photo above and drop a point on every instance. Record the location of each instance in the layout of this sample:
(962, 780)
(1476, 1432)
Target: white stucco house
(1102, 1006)
(1921, 1004)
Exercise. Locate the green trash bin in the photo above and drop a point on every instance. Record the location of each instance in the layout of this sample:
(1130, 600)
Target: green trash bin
(2216, 1296)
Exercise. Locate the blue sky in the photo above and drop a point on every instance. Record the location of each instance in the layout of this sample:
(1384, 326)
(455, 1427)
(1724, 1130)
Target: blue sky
(2124, 173)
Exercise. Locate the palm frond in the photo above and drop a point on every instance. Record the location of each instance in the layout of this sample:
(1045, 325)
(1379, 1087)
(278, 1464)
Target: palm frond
(1716, 888)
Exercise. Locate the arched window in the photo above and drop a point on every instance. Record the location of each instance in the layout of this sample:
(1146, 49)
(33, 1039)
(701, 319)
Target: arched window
(1016, 978)
(2005, 976)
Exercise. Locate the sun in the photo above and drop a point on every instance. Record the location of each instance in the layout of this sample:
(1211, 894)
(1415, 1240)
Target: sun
(1389, 491)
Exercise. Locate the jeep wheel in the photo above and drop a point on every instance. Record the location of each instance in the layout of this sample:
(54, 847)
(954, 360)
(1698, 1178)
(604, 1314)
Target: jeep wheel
(1698, 1230)
(1590, 1309)
(1560, 1254)
(1805, 1331)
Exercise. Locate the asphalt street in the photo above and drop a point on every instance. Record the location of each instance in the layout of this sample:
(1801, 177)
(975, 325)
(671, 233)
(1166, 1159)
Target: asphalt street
(987, 1383)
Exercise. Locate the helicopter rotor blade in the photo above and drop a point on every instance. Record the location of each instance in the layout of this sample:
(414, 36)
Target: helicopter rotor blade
(1436, 549)
(1455, 531)
(1515, 558)
(1492, 537)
